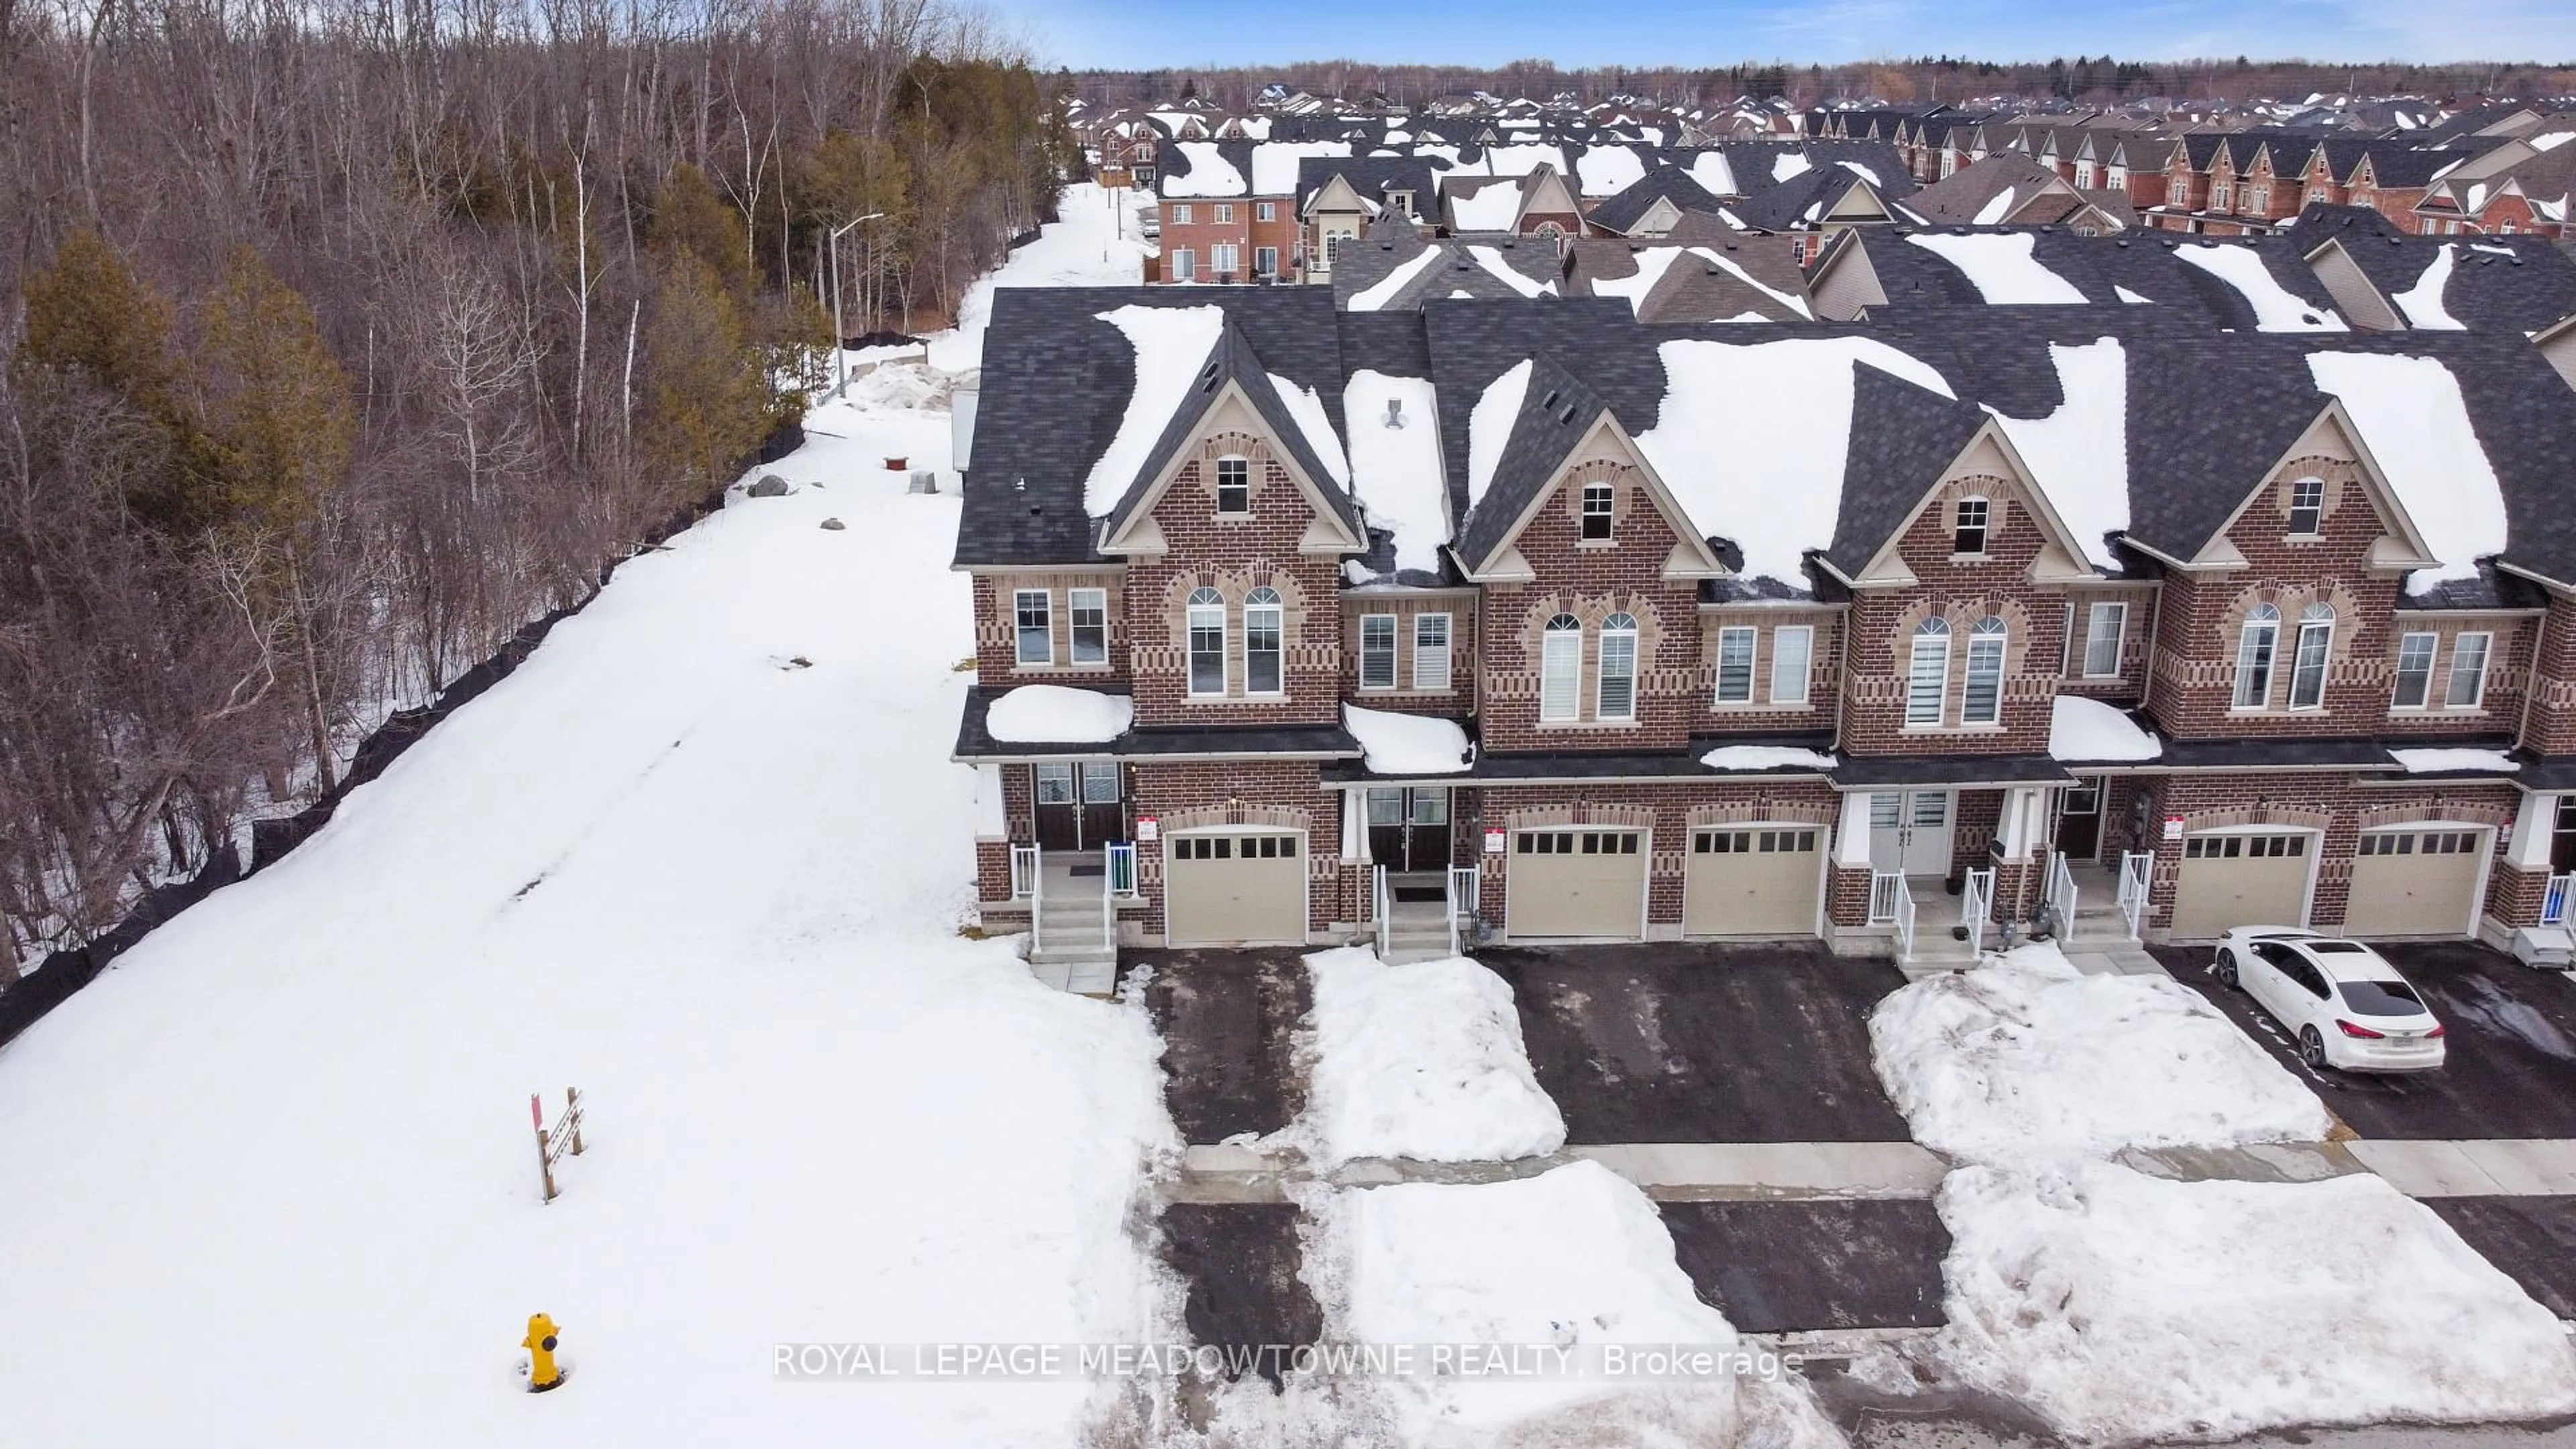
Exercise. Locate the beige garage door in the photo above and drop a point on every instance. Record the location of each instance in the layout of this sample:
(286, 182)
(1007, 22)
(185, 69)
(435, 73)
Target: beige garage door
(2419, 881)
(1240, 888)
(1576, 883)
(2242, 880)
(1752, 880)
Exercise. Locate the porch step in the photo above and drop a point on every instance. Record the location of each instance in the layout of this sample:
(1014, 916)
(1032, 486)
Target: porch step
(1082, 977)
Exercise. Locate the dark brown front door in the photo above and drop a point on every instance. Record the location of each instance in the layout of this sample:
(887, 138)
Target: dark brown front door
(1409, 829)
(1078, 806)
(2079, 820)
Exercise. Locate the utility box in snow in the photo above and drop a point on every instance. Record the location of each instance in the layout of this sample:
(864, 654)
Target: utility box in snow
(2550, 948)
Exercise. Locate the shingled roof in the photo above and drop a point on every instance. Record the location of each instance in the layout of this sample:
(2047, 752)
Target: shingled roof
(1624, 209)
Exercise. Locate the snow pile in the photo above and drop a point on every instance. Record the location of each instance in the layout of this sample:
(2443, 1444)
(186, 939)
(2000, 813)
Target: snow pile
(1384, 290)
(1710, 169)
(1865, 173)
(1306, 407)
(1407, 744)
(1490, 206)
(1652, 263)
(1751, 438)
(2124, 1307)
(1086, 248)
(2080, 452)
(2091, 732)
(2132, 298)
(2276, 309)
(1170, 344)
(1575, 1258)
(2024, 1058)
(1274, 163)
(1788, 164)
(1766, 757)
(1521, 160)
(1997, 207)
(1054, 714)
(2422, 303)
(1489, 426)
(1790, 300)
(2437, 761)
(1423, 1061)
(1210, 174)
(2000, 266)
(2416, 425)
(1491, 259)
(1608, 170)
(1396, 470)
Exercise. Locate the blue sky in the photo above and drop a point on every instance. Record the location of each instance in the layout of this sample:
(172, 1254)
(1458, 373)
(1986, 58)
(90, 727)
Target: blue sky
(1151, 33)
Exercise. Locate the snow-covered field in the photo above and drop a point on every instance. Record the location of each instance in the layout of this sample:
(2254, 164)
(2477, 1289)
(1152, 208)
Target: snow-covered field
(271, 1180)
(2026, 1058)
(1422, 1061)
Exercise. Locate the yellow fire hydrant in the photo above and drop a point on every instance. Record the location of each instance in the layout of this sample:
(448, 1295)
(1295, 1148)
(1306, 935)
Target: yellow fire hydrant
(543, 1373)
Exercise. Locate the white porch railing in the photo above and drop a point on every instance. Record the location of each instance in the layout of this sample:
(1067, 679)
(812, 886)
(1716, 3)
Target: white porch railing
(1904, 921)
(2137, 875)
(1380, 904)
(1464, 887)
(1976, 903)
(1886, 888)
(1122, 868)
(2558, 901)
(1109, 900)
(2061, 895)
(1024, 869)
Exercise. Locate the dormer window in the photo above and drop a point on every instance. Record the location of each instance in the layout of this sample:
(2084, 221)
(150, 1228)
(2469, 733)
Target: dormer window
(1234, 485)
(1596, 512)
(1968, 531)
(2307, 506)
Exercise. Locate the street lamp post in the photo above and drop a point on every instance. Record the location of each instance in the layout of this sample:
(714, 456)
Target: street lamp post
(840, 333)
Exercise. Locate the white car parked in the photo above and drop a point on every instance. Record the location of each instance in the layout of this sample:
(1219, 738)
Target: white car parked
(2348, 1008)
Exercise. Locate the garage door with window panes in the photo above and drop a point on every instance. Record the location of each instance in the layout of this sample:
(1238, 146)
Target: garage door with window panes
(2242, 880)
(1581, 882)
(1752, 880)
(2416, 881)
(1235, 888)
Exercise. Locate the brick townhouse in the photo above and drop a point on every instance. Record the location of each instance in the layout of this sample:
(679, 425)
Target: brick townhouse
(1559, 625)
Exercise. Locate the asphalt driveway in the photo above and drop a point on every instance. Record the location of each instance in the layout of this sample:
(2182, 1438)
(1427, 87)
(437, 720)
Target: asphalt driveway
(2533, 1239)
(1227, 1018)
(2511, 1071)
(1704, 1042)
(1240, 1261)
(1790, 1267)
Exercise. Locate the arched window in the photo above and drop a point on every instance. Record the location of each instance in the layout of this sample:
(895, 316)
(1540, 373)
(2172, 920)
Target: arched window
(1263, 623)
(2255, 644)
(1234, 485)
(1984, 701)
(1207, 642)
(1618, 668)
(2308, 665)
(1927, 674)
(1560, 663)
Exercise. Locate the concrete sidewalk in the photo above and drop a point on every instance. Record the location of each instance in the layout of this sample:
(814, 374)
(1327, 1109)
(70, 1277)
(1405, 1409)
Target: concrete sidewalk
(2542, 1167)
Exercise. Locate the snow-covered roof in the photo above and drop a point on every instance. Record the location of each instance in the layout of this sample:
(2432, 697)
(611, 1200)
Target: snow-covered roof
(1395, 467)
(2422, 303)
(1210, 173)
(2275, 308)
(1741, 759)
(1491, 259)
(1408, 744)
(1489, 426)
(1608, 170)
(2000, 266)
(1055, 714)
(2451, 761)
(1169, 343)
(1387, 288)
(1274, 163)
(2079, 453)
(2087, 731)
(2416, 425)
(1493, 206)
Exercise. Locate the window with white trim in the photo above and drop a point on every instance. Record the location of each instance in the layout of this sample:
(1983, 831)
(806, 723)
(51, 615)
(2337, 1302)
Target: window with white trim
(1968, 529)
(2104, 628)
(1431, 651)
(1185, 265)
(1265, 211)
(2307, 506)
(1223, 257)
(2255, 644)
(2415, 670)
(1927, 674)
(1597, 505)
(1265, 261)
(1793, 648)
(1618, 692)
(1032, 615)
(1735, 665)
(1983, 702)
(1234, 485)
(2308, 666)
(1225, 213)
(1089, 609)
(1263, 622)
(1377, 651)
(1207, 642)
(2468, 671)
(1181, 214)
(1560, 669)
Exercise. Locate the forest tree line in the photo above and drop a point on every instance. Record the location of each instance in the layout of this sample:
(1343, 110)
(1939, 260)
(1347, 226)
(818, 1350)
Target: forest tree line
(341, 338)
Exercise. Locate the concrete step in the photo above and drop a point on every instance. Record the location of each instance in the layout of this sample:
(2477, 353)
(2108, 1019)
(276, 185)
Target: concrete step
(1085, 978)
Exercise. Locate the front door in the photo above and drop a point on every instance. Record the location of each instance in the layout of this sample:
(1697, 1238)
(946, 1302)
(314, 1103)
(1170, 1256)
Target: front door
(1409, 829)
(1909, 831)
(1077, 804)
(2079, 820)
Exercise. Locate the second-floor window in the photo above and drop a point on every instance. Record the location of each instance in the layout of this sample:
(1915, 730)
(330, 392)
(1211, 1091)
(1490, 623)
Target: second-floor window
(1033, 621)
(1735, 666)
(1984, 702)
(2178, 192)
(2308, 666)
(1377, 651)
(1927, 675)
(1596, 510)
(1263, 623)
(2468, 671)
(1968, 530)
(1792, 646)
(2255, 644)
(2307, 505)
(1431, 651)
(2103, 628)
(1090, 610)
(2415, 670)
(1207, 642)
(1224, 214)
(1233, 485)
(1560, 669)
(1265, 211)
(1181, 215)
(1618, 668)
